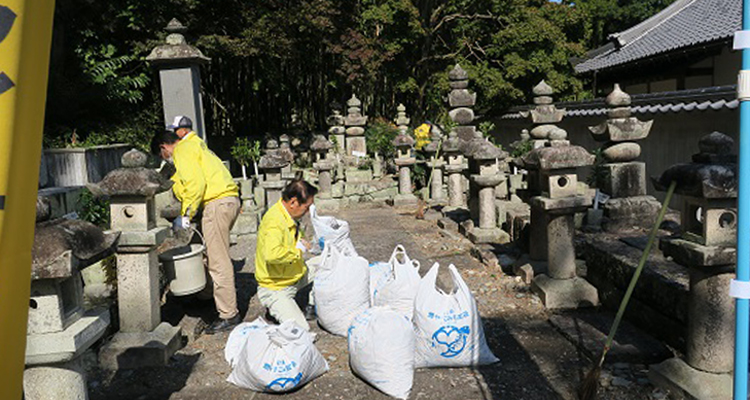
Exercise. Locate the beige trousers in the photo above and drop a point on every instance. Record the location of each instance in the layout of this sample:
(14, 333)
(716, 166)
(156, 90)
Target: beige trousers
(281, 303)
(218, 218)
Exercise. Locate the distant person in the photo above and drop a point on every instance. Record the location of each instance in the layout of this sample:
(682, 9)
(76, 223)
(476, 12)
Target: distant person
(279, 268)
(203, 182)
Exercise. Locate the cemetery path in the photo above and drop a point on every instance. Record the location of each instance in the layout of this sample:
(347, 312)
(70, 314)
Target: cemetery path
(536, 362)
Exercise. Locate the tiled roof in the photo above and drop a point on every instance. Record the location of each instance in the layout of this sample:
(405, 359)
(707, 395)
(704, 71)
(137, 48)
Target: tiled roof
(685, 23)
(706, 99)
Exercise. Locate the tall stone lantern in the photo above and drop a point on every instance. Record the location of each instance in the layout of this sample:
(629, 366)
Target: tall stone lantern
(485, 171)
(553, 228)
(143, 340)
(321, 147)
(404, 145)
(179, 64)
(356, 146)
(708, 247)
(454, 167)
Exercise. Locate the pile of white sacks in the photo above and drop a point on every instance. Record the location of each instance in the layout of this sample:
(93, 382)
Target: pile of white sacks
(395, 321)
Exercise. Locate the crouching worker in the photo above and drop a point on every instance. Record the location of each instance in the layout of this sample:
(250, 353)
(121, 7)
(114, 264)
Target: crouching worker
(279, 268)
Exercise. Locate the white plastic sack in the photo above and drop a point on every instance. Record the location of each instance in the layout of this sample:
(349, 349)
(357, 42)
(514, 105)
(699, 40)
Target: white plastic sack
(448, 327)
(331, 231)
(380, 273)
(276, 358)
(341, 289)
(381, 350)
(400, 288)
(238, 337)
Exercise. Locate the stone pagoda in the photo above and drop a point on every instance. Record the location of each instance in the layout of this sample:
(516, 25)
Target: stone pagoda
(59, 330)
(356, 146)
(621, 176)
(405, 159)
(461, 102)
(553, 227)
(143, 340)
(545, 117)
(272, 163)
(707, 247)
(179, 64)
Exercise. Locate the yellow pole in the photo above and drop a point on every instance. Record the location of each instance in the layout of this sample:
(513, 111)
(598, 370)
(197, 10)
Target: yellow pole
(25, 40)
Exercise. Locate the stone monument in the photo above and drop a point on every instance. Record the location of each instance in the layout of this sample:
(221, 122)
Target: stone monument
(179, 64)
(621, 176)
(544, 116)
(435, 150)
(708, 248)
(552, 224)
(324, 163)
(337, 130)
(285, 151)
(143, 340)
(461, 102)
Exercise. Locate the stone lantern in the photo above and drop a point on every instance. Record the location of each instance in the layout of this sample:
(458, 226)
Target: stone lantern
(58, 329)
(285, 151)
(454, 167)
(179, 64)
(272, 163)
(553, 228)
(623, 177)
(708, 247)
(143, 340)
(404, 145)
(337, 129)
(321, 147)
(435, 149)
(485, 171)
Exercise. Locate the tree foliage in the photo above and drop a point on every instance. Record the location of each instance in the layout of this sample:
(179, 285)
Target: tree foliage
(273, 58)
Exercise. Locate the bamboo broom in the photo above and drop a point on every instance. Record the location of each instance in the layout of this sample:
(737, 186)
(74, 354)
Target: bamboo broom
(590, 384)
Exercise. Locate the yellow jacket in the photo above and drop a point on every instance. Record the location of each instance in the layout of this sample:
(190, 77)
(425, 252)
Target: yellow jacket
(278, 262)
(201, 176)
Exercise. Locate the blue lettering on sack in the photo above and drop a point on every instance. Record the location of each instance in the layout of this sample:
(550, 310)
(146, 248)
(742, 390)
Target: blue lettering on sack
(284, 383)
(451, 316)
(450, 340)
(322, 243)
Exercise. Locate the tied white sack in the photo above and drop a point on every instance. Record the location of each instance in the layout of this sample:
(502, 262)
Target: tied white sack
(448, 327)
(400, 287)
(330, 231)
(274, 358)
(381, 350)
(341, 289)
(238, 338)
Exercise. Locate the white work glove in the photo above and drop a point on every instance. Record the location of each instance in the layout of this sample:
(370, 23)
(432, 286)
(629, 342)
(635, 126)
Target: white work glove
(302, 246)
(181, 223)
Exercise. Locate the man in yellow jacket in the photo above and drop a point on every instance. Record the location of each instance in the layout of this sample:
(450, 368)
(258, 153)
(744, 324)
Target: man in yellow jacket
(202, 181)
(279, 268)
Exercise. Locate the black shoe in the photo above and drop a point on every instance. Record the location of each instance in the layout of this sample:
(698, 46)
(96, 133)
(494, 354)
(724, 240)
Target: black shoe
(222, 325)
(310, 314)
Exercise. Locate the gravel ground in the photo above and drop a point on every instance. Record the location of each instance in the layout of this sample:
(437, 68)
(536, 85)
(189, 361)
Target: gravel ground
(536, 362)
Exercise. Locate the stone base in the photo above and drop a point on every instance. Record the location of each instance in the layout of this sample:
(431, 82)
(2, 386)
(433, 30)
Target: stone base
(401, 200)
(141, 349)
(57, 381)
(629, 212)
(246, 223)
(565, 293)
(491, 235)
(683, 381)
(327, 205)
(64, 346)
(448, 224)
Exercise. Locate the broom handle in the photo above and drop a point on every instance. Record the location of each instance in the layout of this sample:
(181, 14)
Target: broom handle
(641, 263)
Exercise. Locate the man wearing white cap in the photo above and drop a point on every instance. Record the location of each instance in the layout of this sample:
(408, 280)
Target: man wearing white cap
(202, 181)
